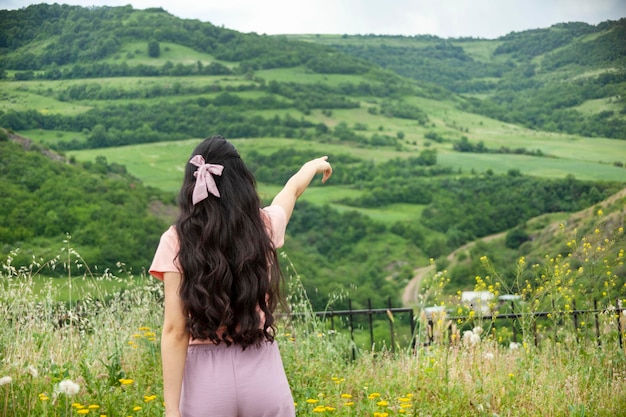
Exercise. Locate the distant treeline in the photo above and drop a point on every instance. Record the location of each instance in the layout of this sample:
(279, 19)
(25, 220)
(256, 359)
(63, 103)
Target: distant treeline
(107, 69)
(464, 145)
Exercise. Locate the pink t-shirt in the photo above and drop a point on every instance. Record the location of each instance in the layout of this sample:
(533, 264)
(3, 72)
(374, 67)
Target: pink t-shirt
(165, 255)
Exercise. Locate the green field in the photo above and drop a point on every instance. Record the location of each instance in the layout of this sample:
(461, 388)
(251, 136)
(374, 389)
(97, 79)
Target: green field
(160, 165)
(303, 75)
(12, 97)
(136, 53)
(585, 158)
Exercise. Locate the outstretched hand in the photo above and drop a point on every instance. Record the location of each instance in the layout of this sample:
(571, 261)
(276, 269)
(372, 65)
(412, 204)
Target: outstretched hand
(296, 185)
(323, 166)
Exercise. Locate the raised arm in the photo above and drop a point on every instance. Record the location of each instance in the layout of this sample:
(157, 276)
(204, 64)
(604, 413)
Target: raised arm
(296, 185)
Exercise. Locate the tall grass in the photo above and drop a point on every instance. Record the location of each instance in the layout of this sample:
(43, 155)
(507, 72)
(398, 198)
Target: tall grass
(98, 354)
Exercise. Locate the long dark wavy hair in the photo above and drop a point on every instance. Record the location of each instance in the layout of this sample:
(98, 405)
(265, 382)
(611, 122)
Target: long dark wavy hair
(230, 266)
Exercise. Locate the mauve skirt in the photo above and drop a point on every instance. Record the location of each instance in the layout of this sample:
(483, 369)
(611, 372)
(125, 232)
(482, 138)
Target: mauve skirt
(226, 381)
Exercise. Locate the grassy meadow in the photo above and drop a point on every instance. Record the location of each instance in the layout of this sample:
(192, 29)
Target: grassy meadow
(83, 348)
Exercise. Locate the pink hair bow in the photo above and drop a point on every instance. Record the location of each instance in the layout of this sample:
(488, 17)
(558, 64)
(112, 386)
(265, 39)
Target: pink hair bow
(205, 183)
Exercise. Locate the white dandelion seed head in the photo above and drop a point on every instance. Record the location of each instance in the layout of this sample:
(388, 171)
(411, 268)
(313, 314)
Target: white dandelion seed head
(474, 339)
(466, 335)
(5, 380)
(478, 330)
(33, 371)
(513, 346)
(68, 387)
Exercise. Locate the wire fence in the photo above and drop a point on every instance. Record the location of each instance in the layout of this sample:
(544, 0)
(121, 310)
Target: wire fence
(411, 328)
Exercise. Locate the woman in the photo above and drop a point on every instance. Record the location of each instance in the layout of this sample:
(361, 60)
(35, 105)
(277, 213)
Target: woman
(221, 277)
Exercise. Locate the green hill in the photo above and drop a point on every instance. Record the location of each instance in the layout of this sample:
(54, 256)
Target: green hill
(97, 209)
(538, 78)
(449, 141)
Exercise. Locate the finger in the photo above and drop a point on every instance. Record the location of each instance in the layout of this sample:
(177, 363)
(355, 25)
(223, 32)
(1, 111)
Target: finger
(327, 174)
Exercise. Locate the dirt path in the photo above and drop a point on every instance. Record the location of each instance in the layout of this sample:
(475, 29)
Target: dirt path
(409, 294)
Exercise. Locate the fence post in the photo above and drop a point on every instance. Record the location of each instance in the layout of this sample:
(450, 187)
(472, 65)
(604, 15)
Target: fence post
(575, 316)
(393, 339)
(431, 330)
(369, 314)
(412, 324)
(351, 328)
(619, 310)
(514, 321)
(595, 313)
(556, 327)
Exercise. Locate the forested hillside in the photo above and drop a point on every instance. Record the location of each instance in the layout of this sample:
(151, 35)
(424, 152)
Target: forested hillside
(537, 78)
(106, 214)
(435, 142)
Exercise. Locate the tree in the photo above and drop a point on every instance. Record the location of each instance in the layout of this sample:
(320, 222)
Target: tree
(98, 137)
(154, 50)
(515, 238)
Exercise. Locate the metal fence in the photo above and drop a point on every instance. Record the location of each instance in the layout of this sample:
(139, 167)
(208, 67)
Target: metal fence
(418, 321)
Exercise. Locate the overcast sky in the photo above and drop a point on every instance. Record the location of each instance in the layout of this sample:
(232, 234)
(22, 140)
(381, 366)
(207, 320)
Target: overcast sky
(444, 18)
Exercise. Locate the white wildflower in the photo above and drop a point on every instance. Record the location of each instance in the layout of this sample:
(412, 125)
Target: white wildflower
(33, 371)
(513, 346)
(478, 330)
(474, 339)
(68, 387)
(466, 336)
(5, 380)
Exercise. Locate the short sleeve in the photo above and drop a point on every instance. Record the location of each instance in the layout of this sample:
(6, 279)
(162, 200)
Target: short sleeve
(165, 255)
(277, 220)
